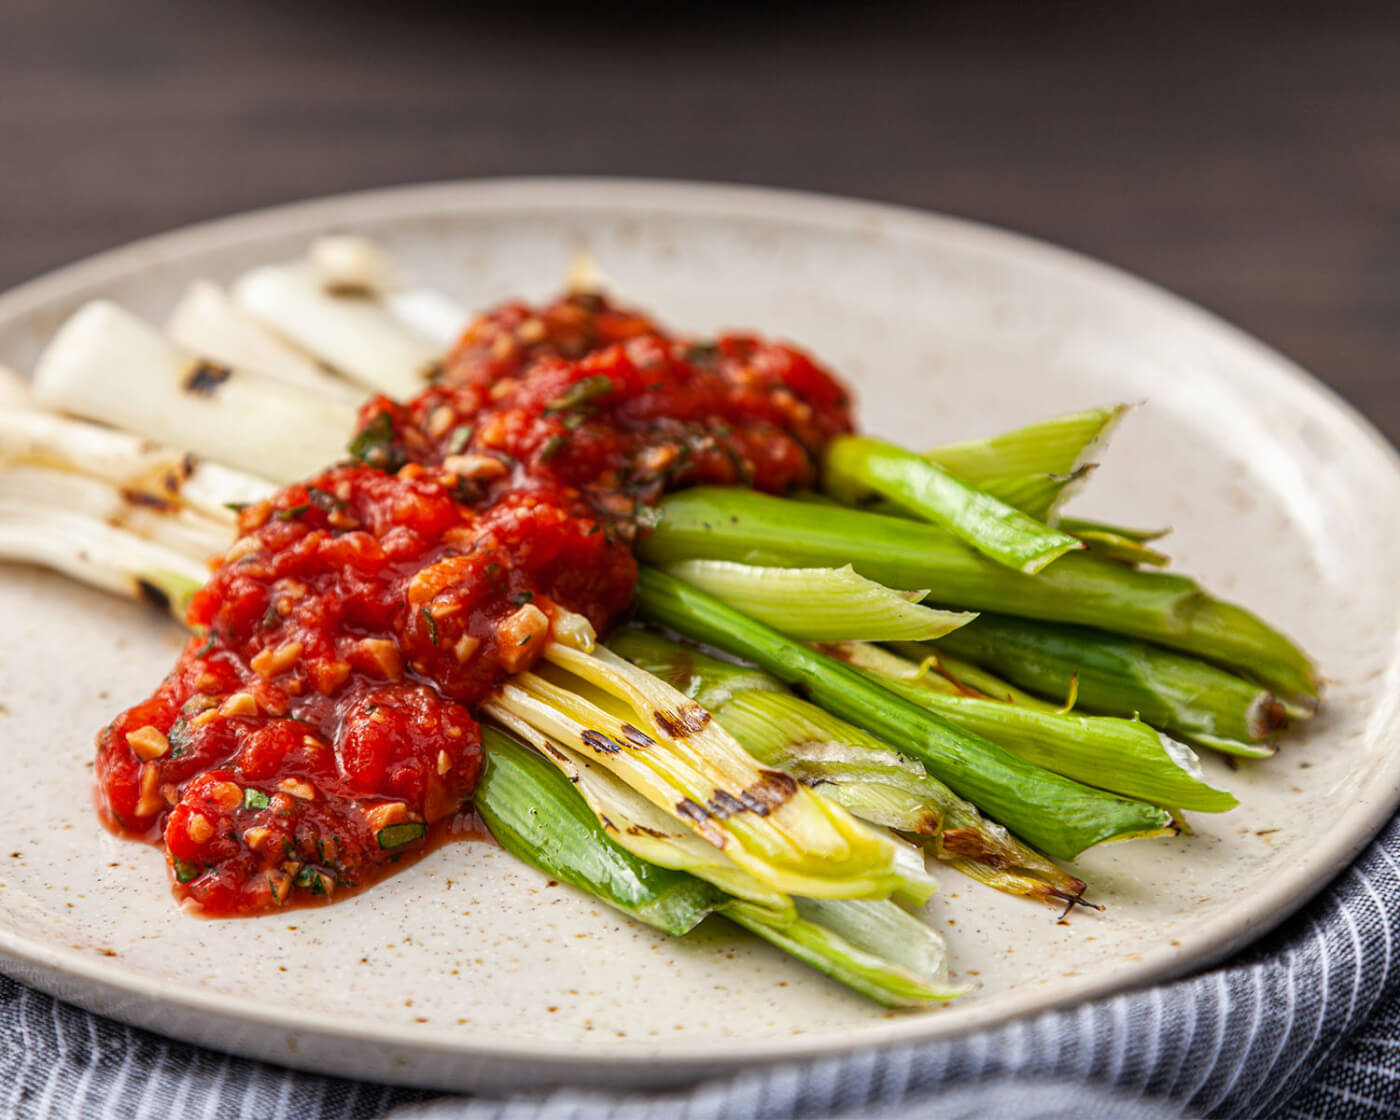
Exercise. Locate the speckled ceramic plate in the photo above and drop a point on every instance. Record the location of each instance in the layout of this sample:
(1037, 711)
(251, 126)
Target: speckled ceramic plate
(468, 970)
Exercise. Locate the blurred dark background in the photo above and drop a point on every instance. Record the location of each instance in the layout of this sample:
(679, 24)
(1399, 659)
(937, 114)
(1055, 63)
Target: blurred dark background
(1245, 155)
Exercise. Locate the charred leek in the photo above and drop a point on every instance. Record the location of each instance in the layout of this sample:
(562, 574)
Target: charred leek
(536, 814)
(669, 750)
(105, 364)
(850, 766)
(1059, 816)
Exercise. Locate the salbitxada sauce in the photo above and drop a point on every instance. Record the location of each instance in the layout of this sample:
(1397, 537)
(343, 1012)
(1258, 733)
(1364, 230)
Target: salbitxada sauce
(320, 722)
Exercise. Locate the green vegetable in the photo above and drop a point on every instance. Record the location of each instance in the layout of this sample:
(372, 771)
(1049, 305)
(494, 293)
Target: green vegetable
(1120, 755)
(726, 524)
(312, 878)
(533, 811)
(1059, 816)
(633, 822)
(820, 604)
(850, 766)
(857, 464)
(185, 872)
(1038, 495)
(1123, 677)
(461, 436)
(536, 814)
(1114, 543)
(397, 835)
(885, 979)
(670, 751)
(378, 431)
(1079, 525)
(1059, 445)
(324, 499)
(255, 799)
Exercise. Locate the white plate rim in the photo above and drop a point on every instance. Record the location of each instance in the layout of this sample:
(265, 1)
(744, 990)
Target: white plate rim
(58, 969)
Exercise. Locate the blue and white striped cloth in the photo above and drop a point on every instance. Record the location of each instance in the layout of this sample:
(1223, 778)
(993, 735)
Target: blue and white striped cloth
(1304, 1025)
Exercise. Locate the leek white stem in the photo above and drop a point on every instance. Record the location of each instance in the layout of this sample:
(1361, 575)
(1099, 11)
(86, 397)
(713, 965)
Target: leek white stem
(351, 333)
(209, 323)
(39, 488)
(43, 439)
(99, 555)
(349, 264)
(107, 365)
(431, 313)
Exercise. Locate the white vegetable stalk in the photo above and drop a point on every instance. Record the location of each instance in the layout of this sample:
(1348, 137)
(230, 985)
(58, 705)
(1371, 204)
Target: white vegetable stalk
(350, 332)
(209, 323)
(107, 365)
(820, 604)
(432, 313)
(348, 264)
(99, 555)
(14, 390)
(163, 523)
(42, 439)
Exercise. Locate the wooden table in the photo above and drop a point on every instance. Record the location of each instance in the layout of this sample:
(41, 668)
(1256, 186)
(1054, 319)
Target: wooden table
(1247, 156)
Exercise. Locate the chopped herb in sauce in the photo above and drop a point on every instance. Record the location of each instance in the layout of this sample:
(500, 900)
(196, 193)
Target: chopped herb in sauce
(324, 499)
(185, 872)
(461, 436)
(580, 392)
(374, 445)
(397, 835)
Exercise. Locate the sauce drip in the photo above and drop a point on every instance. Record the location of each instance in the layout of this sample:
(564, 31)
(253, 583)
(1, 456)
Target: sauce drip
(320, 724)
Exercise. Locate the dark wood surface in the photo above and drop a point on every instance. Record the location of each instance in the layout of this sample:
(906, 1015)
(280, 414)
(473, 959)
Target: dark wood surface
(1247, 156)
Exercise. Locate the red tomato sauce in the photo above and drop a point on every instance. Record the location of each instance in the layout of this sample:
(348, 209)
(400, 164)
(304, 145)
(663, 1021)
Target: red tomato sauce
(320, 725)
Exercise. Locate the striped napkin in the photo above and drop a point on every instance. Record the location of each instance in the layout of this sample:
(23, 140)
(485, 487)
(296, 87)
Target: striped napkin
(1303, 1025)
